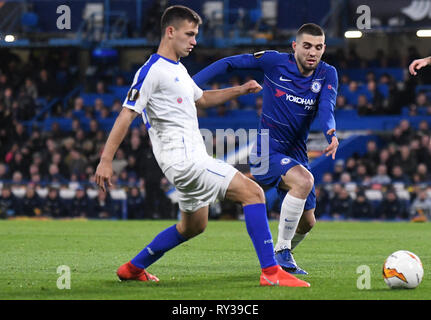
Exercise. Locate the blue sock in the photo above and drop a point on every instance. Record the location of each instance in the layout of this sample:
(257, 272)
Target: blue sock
(164, 241)
(258, 229)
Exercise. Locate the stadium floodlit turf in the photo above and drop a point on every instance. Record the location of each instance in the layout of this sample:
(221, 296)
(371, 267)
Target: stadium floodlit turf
(218, 264)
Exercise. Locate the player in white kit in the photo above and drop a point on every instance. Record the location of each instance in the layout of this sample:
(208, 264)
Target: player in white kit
(166, 97)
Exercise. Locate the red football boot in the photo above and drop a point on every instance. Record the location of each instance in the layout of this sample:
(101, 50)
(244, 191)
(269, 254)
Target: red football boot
(276, 276)
(129, 272)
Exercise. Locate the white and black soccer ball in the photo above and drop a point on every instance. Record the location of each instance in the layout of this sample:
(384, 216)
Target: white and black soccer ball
(403, 269)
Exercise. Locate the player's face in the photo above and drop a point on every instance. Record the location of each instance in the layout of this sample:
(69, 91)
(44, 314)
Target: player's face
(308, 51)
(185, 38)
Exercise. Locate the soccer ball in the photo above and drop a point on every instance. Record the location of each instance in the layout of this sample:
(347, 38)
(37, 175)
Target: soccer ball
(403, 269)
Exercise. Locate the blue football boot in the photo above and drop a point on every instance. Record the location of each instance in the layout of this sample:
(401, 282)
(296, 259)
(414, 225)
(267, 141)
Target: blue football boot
(285, 259)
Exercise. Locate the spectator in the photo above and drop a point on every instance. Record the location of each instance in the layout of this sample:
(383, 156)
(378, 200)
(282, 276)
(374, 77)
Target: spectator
(375, 97)
(327, 178)
(382, 176)
(341, 103)
(341, 204)
(351, 167)
(406, 161)
(397, 137)
(75, 161)
(30, 88)
(345, 178)
(364, 107)
(31, 204)
(421, 175)
(135, 204)
(17, 178)
(322, 202)
(54, 176)
(385, 159)
(45, 86)
(421, 101)
(421, 206)
(82, 206)
(398, 175)
(9, 205)
(120, 162)
(103, 207)
(407, 132)
(361, 207)
(391, 207)
(424, 151)
(18, 163)
(54, 206)
(362, 176)
(4, 173)
(20, 136)
(100, 87)
(338, 170)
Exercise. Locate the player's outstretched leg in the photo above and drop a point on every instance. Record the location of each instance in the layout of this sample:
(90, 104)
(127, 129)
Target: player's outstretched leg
(299, 181)
(190, 225)
(252, 198)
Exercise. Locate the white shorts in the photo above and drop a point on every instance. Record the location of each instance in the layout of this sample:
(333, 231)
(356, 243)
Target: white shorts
(200, 183)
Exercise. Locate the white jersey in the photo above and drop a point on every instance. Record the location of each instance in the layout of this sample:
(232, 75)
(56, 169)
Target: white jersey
(164, 94)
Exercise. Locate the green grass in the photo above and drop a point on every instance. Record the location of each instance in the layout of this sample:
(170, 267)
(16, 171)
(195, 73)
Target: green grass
(219, 264)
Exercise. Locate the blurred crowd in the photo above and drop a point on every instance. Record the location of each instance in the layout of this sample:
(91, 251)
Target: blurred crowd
(43, 161)
(391, 180)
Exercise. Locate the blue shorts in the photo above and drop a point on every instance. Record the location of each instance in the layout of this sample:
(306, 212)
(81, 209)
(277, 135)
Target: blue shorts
(278, 165)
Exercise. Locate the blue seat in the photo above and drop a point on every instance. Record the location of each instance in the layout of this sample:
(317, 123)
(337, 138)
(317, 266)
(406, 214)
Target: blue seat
(89, 98)
(106, 124)
(120, 92)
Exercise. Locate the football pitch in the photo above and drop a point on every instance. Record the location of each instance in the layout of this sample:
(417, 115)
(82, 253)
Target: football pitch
(219, 264)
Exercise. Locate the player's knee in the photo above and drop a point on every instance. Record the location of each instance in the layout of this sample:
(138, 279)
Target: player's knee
(255, 194)
(309, 224)
(305, 182)
(306, 224)
(193, 230)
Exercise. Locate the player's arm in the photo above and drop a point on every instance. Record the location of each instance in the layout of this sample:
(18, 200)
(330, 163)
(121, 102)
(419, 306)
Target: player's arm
(211, 98)
(418, 64)
(325, 111)
(257, 61)
(116, 136)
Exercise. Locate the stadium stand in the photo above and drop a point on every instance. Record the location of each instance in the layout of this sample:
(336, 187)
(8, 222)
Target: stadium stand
(54, 120)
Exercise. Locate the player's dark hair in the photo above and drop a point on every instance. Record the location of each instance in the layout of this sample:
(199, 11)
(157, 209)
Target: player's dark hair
(175, 14)
(311, 29)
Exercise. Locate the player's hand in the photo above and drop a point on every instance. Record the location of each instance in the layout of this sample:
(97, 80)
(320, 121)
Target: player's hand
(250, 87)
(418, 64)
(332, 148)
(103, 174)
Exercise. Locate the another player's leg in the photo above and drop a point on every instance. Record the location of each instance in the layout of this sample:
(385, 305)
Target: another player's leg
(252, 198)
(306, 223)
(299, 181)
(190, 225)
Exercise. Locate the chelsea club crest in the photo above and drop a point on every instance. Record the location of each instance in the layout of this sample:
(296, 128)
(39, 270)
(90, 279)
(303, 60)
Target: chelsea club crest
(316, 86)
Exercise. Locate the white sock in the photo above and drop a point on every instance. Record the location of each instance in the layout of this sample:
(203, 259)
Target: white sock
(291, 210)
(297, 238)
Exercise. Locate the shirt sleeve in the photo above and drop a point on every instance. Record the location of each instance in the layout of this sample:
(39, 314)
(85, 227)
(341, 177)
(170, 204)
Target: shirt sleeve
(327, 102)
(198, 92)
(259, 61)
(144, 84)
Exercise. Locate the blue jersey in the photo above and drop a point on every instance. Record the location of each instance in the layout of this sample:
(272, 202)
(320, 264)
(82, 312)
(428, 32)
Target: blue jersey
(290, 100)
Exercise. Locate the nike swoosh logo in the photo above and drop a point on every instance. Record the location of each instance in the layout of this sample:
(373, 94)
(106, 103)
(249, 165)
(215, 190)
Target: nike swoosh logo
(283, 79)
(272, 283)
(289, 220)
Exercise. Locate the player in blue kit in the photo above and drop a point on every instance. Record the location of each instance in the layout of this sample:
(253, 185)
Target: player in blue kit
(297, 88)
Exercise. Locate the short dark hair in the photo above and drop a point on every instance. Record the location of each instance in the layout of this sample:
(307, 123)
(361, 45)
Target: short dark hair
(174, 14)
(311, 29)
